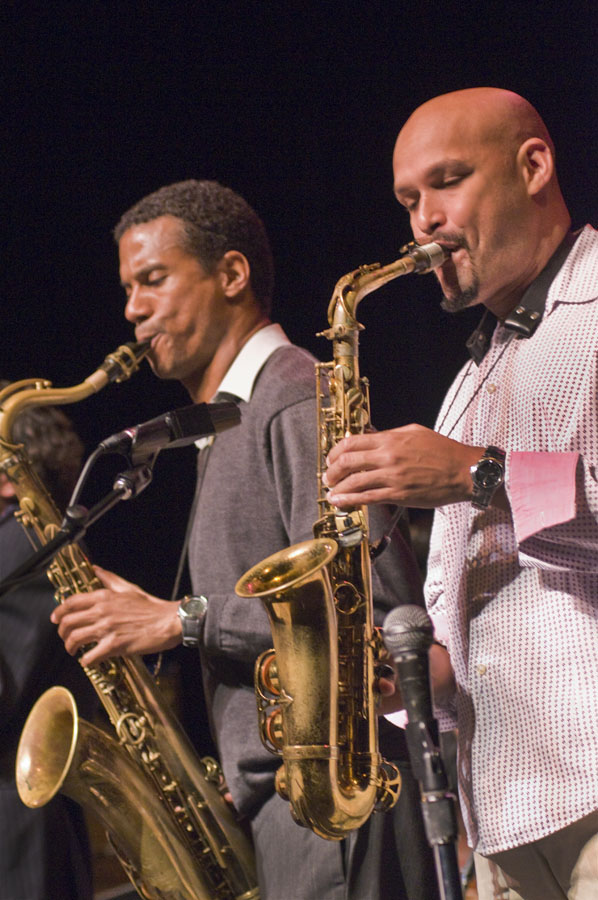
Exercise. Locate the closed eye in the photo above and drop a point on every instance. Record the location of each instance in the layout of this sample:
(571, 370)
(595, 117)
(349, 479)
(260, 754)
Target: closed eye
(451, 176)
(408, 203)
(156, 280)
(449, 182)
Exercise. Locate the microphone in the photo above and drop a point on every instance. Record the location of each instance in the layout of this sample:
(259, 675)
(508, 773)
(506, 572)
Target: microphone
(176, 428)
(407, 634)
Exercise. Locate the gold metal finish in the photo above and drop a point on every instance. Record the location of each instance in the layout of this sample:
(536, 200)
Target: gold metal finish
(162, 806)
(315, 689)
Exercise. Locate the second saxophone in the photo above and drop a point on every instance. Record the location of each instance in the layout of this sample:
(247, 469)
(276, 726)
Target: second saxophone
(315, 689)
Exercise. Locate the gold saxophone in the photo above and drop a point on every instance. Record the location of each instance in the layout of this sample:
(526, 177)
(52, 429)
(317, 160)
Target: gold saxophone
(161, 805)
(315, 689)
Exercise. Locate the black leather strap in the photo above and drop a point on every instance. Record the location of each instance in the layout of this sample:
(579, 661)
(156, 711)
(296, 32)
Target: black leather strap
(527, 315)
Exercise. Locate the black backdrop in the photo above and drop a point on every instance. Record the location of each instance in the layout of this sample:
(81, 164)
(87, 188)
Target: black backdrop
(294, 105)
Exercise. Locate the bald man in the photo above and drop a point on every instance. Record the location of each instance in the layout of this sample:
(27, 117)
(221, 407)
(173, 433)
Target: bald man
(511, 469)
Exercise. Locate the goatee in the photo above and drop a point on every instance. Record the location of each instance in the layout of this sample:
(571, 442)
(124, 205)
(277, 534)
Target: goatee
(462, 300)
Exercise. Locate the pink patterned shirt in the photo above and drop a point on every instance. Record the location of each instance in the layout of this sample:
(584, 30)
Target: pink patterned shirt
(518, 595)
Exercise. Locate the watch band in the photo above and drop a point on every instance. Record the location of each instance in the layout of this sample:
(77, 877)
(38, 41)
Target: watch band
(192, 612)
(487, 476)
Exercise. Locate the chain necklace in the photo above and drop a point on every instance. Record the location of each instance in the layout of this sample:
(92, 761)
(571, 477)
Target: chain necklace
(477, 390)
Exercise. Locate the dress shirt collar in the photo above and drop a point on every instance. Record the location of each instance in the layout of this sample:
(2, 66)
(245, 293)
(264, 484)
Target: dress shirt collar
(239, 381)
(240, 378)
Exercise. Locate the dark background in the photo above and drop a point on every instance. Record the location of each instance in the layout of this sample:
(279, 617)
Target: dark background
(297, 107)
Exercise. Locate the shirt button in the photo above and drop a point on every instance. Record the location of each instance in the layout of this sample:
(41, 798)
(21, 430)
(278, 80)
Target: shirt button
(481, 669)
(491, 388)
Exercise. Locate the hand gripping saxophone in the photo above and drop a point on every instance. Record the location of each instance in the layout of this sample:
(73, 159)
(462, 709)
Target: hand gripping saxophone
(315, 689)
(161, 805)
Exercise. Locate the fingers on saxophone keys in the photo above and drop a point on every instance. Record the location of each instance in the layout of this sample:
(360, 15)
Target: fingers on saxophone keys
(93, 655)
(385, 671)
(76, 638)
(385, 680)
(74, 624)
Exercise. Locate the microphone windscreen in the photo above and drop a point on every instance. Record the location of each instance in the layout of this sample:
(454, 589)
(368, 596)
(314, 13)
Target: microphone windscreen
(407, 628)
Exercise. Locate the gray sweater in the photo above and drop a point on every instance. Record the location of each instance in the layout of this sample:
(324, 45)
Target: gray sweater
(258, 495)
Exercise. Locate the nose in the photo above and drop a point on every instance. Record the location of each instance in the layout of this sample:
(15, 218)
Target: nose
(136, 308)
(429, 215)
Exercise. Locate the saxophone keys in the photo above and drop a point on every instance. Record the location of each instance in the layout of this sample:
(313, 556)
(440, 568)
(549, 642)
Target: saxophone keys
(130, 729)
(274, 730)
(389, 787)
(267, 673)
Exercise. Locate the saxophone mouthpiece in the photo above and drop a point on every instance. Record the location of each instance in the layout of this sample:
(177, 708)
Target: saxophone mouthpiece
(425, 256)
(120, 365)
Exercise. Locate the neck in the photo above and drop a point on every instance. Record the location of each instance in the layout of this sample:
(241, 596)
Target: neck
(202, 389)
(503, 303)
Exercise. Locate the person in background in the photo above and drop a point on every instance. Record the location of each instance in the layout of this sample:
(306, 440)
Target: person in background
(511, 471)
(44, 853)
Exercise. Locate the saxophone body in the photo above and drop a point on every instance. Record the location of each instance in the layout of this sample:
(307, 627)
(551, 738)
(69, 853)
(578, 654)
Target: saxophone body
(161, 805)
(315, 688)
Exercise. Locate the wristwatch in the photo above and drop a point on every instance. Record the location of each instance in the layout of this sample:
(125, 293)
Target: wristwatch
(487, 476)
(192, 611)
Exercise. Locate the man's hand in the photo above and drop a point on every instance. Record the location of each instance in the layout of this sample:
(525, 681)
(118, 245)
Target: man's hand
(120, 619)
(410, 466)
(390, 699)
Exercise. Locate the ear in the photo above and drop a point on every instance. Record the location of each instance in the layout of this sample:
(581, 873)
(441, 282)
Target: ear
(7, 488)
(536, 162)
(235, 273)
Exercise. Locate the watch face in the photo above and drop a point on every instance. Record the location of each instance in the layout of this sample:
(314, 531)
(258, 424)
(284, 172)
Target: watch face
(193, 607)
(488, 473)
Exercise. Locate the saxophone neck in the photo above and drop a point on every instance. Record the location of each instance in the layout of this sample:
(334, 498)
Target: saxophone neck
(118, 366)
(351, 288)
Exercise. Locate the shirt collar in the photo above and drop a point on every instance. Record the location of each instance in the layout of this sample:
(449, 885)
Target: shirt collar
(527, 315)
(239, 381)
(240, 378)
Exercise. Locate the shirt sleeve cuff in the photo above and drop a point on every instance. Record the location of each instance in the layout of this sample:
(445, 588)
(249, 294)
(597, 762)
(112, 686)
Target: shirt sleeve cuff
(541, 489)
(397, 718)
(440, 623)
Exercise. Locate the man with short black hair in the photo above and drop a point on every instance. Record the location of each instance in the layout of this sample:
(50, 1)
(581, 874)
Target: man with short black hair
(196, 268)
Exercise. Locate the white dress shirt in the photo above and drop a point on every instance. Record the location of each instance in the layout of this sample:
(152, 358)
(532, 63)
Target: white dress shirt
(517, 592)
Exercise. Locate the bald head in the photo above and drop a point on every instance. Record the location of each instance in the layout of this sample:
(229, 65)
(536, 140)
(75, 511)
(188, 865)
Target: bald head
(489, 114)
(475, 169)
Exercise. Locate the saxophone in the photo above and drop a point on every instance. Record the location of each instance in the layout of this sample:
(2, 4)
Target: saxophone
(161, 805)
(315, 689)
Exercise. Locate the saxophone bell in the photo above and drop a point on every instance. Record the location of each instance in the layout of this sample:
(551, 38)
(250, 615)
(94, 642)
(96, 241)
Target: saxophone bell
(58, 751)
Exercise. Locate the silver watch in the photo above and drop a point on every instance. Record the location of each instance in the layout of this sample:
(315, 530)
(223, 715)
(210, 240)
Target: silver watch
(192, 611)
(487, 476)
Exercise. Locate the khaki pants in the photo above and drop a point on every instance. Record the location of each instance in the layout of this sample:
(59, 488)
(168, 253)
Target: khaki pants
(562, 866)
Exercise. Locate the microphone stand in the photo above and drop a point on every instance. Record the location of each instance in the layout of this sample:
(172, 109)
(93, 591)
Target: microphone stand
(438, 808)
(78, 519)
(408, 634)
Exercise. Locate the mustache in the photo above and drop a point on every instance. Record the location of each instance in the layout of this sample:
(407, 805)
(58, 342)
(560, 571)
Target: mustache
(451, 240)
